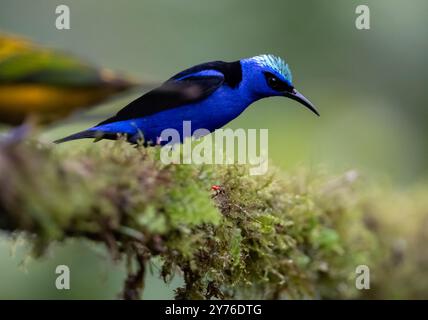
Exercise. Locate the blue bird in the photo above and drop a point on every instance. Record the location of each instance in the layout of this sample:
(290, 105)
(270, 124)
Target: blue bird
(209, 95)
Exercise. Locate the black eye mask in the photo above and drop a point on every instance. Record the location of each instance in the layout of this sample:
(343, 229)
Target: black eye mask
(276, 84)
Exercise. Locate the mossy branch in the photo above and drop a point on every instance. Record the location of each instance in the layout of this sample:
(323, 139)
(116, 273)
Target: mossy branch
(271, 236)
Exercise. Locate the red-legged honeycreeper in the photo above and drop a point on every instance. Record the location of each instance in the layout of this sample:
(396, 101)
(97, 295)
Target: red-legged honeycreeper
(209, 95)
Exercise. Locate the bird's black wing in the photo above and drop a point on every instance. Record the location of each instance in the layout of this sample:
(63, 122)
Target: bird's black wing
(172, 94)
(232, 71)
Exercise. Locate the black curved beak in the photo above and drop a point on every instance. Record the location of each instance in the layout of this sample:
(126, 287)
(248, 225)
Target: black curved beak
(296, 95)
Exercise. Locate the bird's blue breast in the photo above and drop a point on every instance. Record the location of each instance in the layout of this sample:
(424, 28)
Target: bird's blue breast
(215, 111)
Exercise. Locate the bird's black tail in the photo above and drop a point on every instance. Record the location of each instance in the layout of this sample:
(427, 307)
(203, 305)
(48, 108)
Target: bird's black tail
(79, 135)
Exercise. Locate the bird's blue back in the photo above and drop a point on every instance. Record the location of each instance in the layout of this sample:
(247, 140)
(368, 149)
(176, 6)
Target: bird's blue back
(211, 113)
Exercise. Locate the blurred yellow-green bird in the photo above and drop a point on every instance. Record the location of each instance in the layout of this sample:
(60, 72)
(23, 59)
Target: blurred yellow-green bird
(49, 84)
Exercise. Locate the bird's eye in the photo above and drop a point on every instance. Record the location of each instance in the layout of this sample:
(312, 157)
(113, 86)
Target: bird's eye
(272, 81)
(276, 84)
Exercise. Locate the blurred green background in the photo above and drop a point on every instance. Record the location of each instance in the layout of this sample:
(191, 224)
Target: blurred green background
(370, 87)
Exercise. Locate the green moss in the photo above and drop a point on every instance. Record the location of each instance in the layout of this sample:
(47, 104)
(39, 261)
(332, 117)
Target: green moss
(296, 235)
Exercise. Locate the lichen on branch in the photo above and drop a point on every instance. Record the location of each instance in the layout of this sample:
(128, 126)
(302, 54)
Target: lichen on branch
(299, 235)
